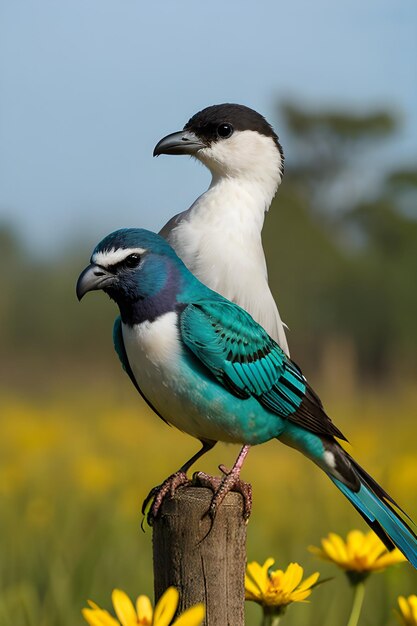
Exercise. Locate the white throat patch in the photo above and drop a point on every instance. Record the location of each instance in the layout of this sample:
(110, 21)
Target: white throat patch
(248, 156)
(157, 343)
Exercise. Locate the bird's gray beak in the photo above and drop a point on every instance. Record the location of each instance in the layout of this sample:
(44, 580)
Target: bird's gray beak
(183, 142)
(92, 278)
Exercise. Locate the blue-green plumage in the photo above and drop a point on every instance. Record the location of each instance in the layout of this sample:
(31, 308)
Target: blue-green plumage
(204, 365)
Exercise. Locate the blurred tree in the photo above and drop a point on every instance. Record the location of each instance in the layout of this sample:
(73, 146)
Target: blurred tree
(40, 318)
(327, 145)
(401, 187)
(11, 259)
(344, 264)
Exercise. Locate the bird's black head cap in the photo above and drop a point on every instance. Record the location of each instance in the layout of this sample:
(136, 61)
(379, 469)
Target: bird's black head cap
(211, 123)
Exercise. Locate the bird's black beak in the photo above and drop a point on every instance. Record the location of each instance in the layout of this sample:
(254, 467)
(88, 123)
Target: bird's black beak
(92, 278)
(183, 142)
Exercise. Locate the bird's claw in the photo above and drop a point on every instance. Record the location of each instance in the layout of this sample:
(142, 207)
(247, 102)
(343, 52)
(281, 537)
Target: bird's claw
(158, 494)
(221, 486)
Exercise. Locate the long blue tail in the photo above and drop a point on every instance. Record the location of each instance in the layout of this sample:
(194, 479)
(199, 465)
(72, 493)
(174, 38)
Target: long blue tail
(377, 509)
(373, 503)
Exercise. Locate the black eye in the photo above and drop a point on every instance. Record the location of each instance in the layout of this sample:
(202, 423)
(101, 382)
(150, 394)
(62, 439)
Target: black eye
(225, 130)
(132, 260)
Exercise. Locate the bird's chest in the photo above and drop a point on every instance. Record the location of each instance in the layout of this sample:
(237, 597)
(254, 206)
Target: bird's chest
(154, 351)
(178, 386)
(157, 359)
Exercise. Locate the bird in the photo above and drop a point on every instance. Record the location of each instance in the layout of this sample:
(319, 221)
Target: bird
(207, 367)
(219, 236)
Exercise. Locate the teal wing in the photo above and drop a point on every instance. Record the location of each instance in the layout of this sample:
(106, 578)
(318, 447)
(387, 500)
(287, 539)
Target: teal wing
(247, 361)
(119, 346)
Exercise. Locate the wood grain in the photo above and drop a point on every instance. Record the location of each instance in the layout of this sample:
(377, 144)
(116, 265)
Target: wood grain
(204, 566)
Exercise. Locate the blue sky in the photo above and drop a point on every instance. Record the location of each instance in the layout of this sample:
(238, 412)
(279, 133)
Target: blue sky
(89, 86)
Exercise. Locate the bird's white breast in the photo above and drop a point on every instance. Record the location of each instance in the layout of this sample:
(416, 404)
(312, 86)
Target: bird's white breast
(154, 351)
(153, 344)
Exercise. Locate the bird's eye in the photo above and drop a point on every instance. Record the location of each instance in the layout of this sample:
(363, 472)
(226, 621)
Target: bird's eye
(132, 260)
(225, 130)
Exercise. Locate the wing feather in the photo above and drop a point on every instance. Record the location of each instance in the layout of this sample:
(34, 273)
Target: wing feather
(248, 362)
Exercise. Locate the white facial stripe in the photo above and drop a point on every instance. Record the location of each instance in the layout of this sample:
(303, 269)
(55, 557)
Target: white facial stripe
(107, 258)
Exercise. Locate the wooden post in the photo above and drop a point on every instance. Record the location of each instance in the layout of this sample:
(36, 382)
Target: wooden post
(208, 568)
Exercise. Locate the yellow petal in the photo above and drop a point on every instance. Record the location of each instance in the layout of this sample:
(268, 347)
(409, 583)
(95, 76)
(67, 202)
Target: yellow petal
(375, 552)
(144, 610)
(300, 596)
(259, 574)
(252, 590)
(90, 616)
(355, 539)
(166, 607)
(412, 601)
(292, 578)
(191, 617)
(309, 582)
(330, 550)
(124, 608)
(256, 574)
(390, 558)
(99, 617)
(93, 605)
(372, 539)
(404, 608)
(340, 547)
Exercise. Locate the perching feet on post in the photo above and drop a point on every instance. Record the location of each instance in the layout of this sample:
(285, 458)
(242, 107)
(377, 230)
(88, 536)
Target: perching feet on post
(158, 493)
(171, 484)
(231, 481)
(221, 487)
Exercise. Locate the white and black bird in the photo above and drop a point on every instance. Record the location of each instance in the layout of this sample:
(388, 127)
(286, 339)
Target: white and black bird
(219, 236)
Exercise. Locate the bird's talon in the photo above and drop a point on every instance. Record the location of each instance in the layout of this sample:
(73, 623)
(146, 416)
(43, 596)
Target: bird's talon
(201, 479)
(221, 487)
(158, 494)
(149, 497)
(224, 469)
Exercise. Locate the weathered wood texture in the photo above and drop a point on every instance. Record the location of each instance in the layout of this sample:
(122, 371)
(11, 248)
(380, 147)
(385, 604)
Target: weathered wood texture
(208, 568)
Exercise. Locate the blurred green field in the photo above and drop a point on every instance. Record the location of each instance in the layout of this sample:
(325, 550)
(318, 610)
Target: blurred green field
(76, 460)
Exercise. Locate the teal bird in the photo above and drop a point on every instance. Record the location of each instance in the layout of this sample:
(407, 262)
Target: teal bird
(205, 366)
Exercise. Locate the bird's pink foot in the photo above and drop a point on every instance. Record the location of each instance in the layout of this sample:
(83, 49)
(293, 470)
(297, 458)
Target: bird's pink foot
(158, 493)
(231, 481)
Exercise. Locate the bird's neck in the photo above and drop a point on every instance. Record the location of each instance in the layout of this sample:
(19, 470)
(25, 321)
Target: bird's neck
(236, 202)
(156, 296)
(247, 180)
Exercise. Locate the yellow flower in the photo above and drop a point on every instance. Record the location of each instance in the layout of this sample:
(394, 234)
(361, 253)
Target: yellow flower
(361, 554)
(276, 589)
(144, 615)
(408, 610)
